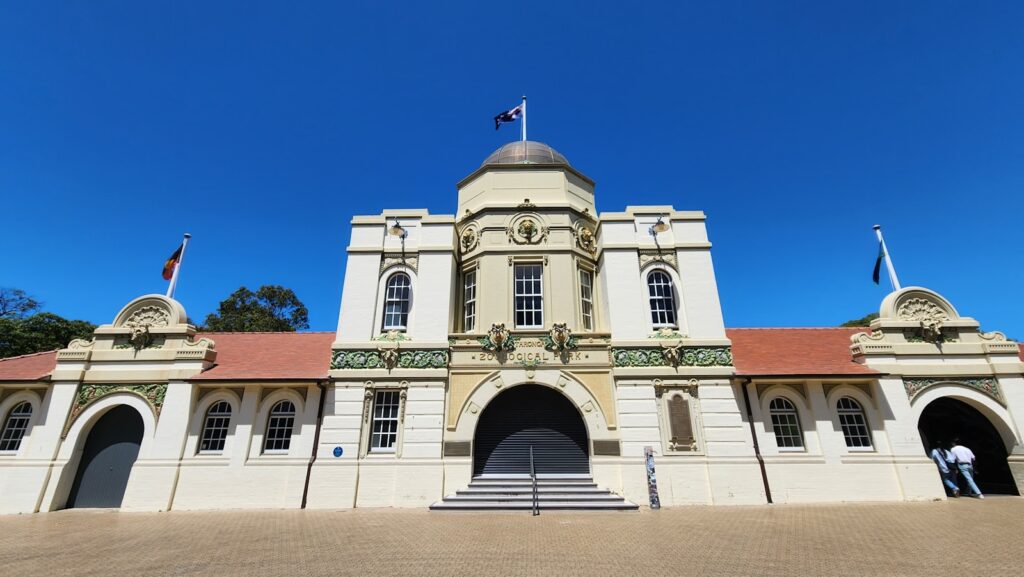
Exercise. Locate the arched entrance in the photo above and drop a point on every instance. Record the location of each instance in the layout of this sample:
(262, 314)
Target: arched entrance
(110, 451)
(945, 419)
(530, 416)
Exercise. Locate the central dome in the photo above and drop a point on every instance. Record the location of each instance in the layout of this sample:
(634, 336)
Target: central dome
(525, 152)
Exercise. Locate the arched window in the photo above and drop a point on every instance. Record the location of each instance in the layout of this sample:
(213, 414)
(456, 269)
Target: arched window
(397, 297)
(663, 299)
(215, 428)
(853, 423)
(786, 424)
(279, 428)
(15, 426)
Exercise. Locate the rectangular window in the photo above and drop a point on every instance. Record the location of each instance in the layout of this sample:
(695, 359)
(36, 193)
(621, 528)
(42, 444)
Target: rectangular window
(587, 299)
(529, 296)
(385, 422)
(855, 429)
(787, 430)
(469, 300)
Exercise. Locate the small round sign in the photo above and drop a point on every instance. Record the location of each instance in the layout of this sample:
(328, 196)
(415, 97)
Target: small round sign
(338, 451)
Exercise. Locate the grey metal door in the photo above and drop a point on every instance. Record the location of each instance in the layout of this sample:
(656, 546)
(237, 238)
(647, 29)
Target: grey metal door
(525, 416)
(107, 459)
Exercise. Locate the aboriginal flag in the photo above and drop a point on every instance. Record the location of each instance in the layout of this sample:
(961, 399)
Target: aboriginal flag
(173, 262)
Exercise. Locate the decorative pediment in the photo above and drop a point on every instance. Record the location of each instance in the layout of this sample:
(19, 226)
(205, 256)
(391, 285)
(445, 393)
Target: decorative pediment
(151, 312)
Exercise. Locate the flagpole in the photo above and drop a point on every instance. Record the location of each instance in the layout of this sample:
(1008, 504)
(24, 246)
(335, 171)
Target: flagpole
(524, 118)
(177, 266)
(888, 261)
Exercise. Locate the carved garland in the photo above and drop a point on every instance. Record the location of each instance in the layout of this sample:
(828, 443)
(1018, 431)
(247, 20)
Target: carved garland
(677, 356)
(88, 394)
(986, 385)
(375, 359)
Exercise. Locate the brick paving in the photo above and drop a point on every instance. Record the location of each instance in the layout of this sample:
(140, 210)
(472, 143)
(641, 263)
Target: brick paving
(959, 537)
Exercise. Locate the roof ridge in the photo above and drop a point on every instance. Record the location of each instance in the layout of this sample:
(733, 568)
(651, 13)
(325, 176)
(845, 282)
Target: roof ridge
(29, 355)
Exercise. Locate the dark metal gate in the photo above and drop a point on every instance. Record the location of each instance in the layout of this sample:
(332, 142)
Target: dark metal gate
(110, 451)
(525, 416)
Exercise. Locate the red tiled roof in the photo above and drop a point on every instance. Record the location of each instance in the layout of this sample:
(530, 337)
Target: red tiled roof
(33, 367)
(780, 352)
(255, 356)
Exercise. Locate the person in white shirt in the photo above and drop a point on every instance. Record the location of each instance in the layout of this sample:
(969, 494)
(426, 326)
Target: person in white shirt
(946, 463)
(965, 462)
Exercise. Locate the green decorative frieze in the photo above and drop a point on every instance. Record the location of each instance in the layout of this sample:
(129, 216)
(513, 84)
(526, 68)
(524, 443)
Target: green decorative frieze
(379, 359)
(987, 385)
(673, 356)
(88, 394)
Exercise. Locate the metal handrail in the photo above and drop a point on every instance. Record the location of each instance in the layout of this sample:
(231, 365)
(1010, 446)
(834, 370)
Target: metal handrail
(533, 475)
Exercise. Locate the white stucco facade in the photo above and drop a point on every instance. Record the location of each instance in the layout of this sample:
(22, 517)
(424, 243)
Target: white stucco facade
(526, 288)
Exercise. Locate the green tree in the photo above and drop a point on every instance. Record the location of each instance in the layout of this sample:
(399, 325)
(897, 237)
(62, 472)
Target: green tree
(16, 304)
(40, 332)
(861, 322)
(271, 308)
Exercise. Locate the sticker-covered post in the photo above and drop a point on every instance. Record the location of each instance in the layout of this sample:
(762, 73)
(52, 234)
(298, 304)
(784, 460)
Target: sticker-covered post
(652, 479)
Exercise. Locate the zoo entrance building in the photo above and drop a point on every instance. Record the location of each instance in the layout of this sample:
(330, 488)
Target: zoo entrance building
(528, 333)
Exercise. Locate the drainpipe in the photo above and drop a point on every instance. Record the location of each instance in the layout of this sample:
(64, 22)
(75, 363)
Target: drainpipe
(753, 435)
(322, 385)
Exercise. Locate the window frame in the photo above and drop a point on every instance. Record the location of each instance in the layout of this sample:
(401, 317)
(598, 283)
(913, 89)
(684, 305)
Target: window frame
(204, 426)
(397, 419)
(793, 411)
(271, 426)
(539, 294)
(865, 424)
(586, 301)
(388, 299)
(469, 308)
(22, 425)
(672, 297)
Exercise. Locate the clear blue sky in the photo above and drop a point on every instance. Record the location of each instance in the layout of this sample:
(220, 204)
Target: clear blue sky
(261, 128)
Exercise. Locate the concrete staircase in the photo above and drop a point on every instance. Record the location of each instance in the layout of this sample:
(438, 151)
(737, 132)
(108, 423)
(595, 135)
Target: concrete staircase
(516, 494)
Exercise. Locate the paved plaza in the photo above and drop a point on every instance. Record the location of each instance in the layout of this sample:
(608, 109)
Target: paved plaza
(961, 537)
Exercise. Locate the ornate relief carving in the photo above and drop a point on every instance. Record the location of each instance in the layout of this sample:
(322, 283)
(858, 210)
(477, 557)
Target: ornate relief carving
(389, 357)
(390, 259)
(526, 230)
(560, 338)
(79, 344)
(498, 339)
(648, 256)
(919, 309)
(867, 337)
(585, 238)
(88, 394)
(688, 356)
(410, 359)
(986, 385)
(469, 239)
(148, 316)
(666, 333)
(393, 336)
(994, 336)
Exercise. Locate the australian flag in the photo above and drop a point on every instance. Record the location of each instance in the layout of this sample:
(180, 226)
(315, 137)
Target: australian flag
(508, 116)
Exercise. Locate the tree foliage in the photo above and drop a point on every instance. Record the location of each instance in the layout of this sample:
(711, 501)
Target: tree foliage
(40, 332)
(864, 321)
(270, 308)
(16, 304)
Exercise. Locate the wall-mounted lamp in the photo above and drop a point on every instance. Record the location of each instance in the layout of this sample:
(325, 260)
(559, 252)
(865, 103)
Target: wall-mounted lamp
(660, 226)
(398, 230)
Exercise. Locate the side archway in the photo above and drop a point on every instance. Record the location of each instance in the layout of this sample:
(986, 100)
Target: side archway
(947, 418)
(109, 453)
